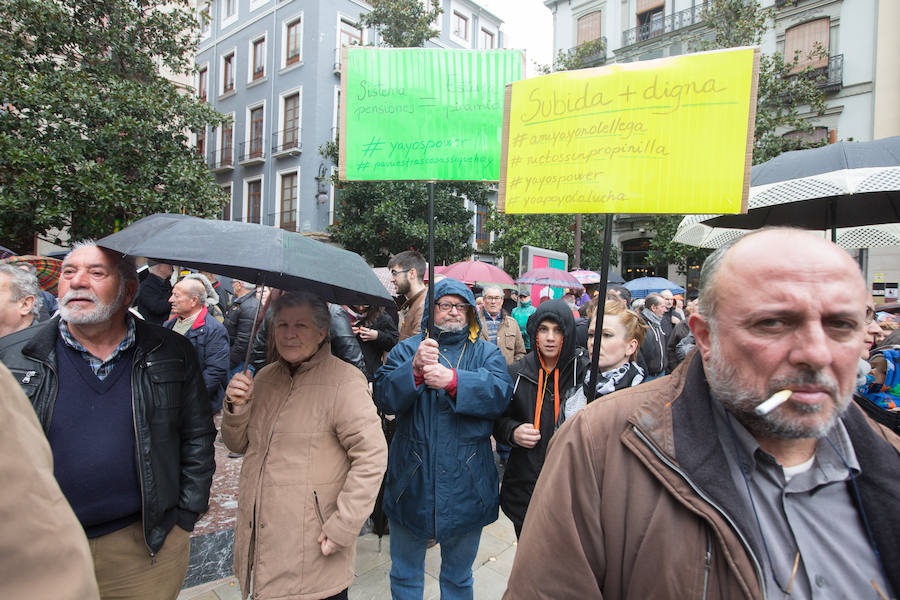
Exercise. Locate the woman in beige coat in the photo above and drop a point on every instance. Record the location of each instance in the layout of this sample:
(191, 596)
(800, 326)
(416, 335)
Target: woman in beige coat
(314, 457)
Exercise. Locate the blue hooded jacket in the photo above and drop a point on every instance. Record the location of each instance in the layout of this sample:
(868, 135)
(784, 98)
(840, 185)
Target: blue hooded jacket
(441, 480)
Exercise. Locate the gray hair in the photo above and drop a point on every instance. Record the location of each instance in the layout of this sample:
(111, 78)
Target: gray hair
(124, 264)
(22, 284)
(195, 288)
(492, 287)
(319, 308)
(210, 296)
(246, 284)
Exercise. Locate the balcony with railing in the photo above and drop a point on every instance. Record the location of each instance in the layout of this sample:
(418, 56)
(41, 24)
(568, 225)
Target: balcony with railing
(252, 152)
(221, 160)
(831, 78)
(286, 143)
(668, 24)
(589, 54)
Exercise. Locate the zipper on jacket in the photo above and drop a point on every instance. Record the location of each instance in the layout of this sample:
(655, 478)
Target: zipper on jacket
(708, 500)
(28, 376)
(318, 509)
(708, 567)
(137, 449)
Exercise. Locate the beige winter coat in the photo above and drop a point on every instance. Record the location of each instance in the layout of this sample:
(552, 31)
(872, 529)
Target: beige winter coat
(314, 459)
(509, 338)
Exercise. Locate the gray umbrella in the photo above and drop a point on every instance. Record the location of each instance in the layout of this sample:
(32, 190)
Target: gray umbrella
(255, 253)
(847, 184)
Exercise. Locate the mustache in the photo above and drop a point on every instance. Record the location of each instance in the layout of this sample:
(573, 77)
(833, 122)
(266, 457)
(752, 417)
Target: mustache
(78, 295)
(805, 379)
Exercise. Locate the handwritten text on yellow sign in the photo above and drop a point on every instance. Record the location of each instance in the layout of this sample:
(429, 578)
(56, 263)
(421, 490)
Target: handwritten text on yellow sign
(662, 136)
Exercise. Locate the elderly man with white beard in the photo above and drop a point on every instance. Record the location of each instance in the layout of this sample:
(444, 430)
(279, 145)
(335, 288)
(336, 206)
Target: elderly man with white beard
(686, 487)
(124, 407)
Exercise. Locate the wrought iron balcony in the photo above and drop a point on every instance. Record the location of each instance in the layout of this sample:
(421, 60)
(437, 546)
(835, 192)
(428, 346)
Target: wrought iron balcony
(221, 160)
(286, 143)
(668, 24)
(833, 75)
(591, 53)
(252, 152)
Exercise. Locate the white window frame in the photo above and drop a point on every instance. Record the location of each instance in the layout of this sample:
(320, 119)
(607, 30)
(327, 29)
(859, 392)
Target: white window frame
(493, 32)
(205, 28)
(456, 8)
(245, 200)
(227, 20)
(281, 125)
(220, 141)
(249, 109)
(201, 67)
(254, 4)
(295, 170)
(336, 113)
(226, 54)
(230, 186)
(349, 20)
(284, 40)
(205, 154)
(250, 53)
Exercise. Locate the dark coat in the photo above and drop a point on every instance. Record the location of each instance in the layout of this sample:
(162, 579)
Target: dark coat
(210, 340)
(239, 324)
(441, 480)
(653, 352)
(679, 332)
(387, 338)
(173, 424)
(153, 299)
(525, 464)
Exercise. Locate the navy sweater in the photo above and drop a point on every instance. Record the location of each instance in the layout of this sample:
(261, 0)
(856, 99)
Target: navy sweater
(93, 442)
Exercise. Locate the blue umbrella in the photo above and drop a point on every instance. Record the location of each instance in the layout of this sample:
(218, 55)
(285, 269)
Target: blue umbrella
(642, 286)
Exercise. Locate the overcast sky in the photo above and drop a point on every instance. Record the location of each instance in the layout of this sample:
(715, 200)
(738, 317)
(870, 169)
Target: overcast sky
(528, 25)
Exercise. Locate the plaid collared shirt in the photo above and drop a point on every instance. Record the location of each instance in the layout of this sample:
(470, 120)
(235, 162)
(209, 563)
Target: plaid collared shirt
(101, 368)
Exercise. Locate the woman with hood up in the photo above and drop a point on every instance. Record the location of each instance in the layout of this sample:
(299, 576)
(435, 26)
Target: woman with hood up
(544, 381)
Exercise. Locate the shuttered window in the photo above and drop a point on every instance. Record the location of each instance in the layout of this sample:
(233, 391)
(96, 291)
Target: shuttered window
(806, 37)
(589, 27)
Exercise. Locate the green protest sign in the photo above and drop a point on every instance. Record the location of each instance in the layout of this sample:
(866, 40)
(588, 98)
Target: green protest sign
(424, 114)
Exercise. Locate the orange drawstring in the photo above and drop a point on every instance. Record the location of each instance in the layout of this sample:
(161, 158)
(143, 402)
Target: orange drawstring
(540, 395)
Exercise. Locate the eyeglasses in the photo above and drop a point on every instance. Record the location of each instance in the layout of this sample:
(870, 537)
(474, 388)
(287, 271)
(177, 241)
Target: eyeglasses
(394, 272)
(446, 306)
(870, 315)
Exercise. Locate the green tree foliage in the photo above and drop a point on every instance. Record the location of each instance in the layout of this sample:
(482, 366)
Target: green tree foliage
(378, 219)
(92, 136)
(403, 23)
(781, 96)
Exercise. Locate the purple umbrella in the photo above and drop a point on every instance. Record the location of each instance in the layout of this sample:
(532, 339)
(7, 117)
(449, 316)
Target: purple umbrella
(549, 277)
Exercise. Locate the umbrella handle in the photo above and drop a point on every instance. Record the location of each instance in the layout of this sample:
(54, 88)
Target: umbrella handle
(255, 326)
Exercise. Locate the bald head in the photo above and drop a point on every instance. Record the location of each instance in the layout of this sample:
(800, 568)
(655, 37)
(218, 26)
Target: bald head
(772, 253)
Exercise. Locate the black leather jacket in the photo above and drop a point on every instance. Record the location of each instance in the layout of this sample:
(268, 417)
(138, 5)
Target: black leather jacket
(172, 419)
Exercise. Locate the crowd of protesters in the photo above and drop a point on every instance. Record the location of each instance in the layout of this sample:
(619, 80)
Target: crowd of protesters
(637, 487)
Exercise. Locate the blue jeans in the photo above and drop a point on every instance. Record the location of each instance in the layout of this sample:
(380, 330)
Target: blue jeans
(408, 564)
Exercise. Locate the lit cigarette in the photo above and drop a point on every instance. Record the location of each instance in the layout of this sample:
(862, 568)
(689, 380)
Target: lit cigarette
(776, 400)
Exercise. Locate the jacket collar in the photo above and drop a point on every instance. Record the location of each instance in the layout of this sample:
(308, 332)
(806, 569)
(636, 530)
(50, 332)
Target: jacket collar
(42, 345)
(200, 321)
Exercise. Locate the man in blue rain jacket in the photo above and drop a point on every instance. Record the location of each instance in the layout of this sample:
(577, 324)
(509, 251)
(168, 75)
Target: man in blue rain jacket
(446, 387)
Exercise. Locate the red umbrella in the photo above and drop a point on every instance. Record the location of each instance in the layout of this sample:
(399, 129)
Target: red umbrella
(470, 272)
(48, 269)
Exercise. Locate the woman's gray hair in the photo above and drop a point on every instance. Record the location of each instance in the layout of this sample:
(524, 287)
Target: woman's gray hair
(22, 284)
(211, 296)
(319, 308)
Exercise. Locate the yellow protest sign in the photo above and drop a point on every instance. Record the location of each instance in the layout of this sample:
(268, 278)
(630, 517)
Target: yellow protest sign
(673, 135)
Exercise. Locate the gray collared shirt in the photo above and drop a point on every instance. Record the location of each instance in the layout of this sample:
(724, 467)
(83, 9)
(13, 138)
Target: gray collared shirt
(814, 514)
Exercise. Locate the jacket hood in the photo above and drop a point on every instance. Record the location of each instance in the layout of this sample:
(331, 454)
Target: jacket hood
(560, 313)
(448, 286)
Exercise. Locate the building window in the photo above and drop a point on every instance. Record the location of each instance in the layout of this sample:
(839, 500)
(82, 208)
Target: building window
(487, 39)
(288, 217)
(807, 41)
(254, 200)
(588, 28)
(633, 260)
(205, 17)
(350, 34)
(226, 210)
(460, 26)
(293, 41)
(818, 136)
(259, 59)
(290, 135)
(229, 9)
(256, 132)
(226, 143)
(201, 143)
(228, 73)
(649, 18)
(482, 236)
(202, 81)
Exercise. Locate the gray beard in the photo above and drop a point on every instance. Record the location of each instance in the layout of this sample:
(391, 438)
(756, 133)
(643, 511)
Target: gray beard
(100, 314)
(453, 328)
(726, 386)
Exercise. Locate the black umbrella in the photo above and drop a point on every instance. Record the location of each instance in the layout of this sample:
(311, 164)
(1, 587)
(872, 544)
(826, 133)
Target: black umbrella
(254, 253)
(847, 184)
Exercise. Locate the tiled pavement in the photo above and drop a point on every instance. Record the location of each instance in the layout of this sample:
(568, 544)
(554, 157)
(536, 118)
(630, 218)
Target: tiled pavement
(492, 566)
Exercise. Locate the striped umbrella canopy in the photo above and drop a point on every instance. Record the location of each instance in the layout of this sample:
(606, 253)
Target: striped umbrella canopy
(549, 277)
(48, 269)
